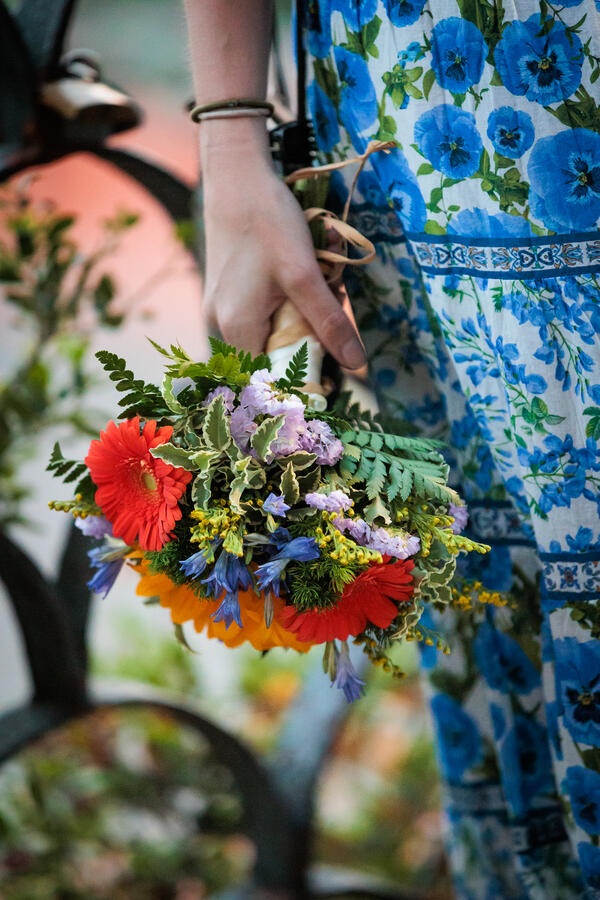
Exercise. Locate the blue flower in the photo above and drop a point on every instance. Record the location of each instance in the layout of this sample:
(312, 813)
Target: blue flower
(578, 678)
(195, 564)
(275, 505)
(584, 788)
(526, 764)
(545, 68)
(358, 101)
(404, 12)
(503, 663)
(300, 549)
(480, 223)
(346, 678)
(564, 169)
(413, 52)
(369, 187)
(401, 189)
(511, 131)
(448, 137)
(229, 574)
(229, 610)
(458, 737)
(324, 118)
(458, 52)
(356, 13)
(108, 558)
(589, 859)
(318, 26)
(582, 540)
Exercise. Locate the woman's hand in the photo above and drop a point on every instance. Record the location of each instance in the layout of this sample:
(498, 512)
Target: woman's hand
(258, 246)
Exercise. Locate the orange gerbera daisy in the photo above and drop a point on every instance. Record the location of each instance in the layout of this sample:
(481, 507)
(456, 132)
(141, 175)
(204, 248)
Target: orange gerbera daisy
(372, 597)
(137, 493)
(185, 606)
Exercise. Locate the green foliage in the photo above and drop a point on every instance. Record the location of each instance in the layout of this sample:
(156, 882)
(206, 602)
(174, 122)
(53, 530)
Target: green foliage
(289, 485)
(71, 470)
(395, 468)
(318, 584)
(227, 365)
(175, 456)
(141, 399)
(266, 434)
(295, 374)
(215, 429)
(50, 281)
(169, 397)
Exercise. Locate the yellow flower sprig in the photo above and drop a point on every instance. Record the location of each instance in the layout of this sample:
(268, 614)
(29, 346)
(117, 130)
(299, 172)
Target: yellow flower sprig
(341, 547)
(378, 656)
(78, 507)
(218, 523)
(470, 595)
(430, 525)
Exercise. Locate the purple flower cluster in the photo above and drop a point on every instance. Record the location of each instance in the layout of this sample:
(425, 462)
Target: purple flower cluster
(260, 398)
(336, 501)
(94, 526)
(398, 545)
(461, 517)
(221, 391)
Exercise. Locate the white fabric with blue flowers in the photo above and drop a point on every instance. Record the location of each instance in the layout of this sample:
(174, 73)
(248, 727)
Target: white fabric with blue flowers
(481, 318)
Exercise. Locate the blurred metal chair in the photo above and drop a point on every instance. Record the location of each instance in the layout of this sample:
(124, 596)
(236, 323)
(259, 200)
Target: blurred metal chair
(53, 104)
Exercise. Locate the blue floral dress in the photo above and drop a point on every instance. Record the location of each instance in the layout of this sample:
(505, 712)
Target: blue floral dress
(481, 318)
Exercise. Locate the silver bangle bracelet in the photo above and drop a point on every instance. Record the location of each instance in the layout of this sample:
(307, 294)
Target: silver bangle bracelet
(237, 113)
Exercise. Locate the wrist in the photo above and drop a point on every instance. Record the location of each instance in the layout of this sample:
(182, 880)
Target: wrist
(244, 138)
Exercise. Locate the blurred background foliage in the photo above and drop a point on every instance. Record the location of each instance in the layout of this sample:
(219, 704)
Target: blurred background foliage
(59, 295)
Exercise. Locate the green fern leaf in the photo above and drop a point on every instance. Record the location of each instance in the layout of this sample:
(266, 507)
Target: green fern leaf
(376, 478)
(295, 374)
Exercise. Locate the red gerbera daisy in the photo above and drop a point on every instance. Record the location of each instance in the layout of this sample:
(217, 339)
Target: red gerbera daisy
(136, 492)
(372, 597)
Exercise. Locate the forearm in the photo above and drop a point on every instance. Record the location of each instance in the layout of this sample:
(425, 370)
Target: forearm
(229, 44)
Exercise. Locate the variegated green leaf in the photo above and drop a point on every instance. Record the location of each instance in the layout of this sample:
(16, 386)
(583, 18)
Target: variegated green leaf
(201, 491)
(215, 429)
(265, 434)
(175, 456)
(289, 485)
(169, 396)
(300, 460)
(204, 459)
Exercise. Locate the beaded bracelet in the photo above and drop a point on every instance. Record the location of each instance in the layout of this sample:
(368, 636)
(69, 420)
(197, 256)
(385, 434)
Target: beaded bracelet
(239, 106)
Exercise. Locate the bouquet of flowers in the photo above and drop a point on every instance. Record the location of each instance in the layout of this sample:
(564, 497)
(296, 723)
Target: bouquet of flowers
(259, 518)
(254, 512)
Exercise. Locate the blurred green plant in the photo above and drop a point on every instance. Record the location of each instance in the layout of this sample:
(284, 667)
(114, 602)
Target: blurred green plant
(111, 807)
(60, 294)
(153, 657)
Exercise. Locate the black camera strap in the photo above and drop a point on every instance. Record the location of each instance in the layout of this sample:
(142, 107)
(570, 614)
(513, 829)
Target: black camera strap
(292, 143)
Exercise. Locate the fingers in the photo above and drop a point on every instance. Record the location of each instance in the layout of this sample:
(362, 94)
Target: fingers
(308, 290)
(243, 318)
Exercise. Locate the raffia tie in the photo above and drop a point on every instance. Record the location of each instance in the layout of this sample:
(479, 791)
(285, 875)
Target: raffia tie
(289, 325)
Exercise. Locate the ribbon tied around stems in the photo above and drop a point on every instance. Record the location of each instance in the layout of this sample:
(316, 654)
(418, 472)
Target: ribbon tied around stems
(289, 328)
